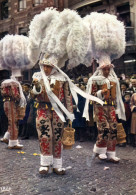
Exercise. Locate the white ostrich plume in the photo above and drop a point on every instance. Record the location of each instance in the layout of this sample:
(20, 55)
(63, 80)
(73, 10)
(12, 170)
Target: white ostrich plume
(14, 53)
(107, 34)
(39, 29)
(69, 39)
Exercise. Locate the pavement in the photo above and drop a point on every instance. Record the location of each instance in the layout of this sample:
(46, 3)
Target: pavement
(85, 176)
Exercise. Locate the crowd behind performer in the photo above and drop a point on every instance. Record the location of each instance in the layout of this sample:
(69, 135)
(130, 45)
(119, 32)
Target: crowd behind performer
(105, 85)
(79, 123)
(48, 123)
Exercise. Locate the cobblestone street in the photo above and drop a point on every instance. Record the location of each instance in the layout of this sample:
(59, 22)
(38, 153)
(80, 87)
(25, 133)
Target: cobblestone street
(19, 172)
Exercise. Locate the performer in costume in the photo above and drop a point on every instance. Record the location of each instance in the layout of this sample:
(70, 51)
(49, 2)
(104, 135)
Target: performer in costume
(104, 84)
(12, 93)
(108, 43)
(13, 57)
(49, 125)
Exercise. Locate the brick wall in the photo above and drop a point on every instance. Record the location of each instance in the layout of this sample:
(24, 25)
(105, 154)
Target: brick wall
(21, 19)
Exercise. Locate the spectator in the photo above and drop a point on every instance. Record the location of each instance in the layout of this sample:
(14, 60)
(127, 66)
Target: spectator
(23, 123)
(79, 124)
(133, 120)
(123, 87)
(133, 82)
(127, 123)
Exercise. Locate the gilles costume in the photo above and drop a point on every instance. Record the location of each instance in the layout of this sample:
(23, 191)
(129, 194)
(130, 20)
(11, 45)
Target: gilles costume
(48, 123)
(105, 115)
(107, 43)
(12, 93)
(13, 57)
(54, 91)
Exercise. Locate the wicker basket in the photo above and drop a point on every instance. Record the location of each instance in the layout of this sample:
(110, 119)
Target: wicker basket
(121, 135)
(21, 113)
(68, 138)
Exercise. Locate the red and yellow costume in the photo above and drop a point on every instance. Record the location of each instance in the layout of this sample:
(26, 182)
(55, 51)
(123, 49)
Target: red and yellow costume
(11, 97)
(49, 125)
(105, 116)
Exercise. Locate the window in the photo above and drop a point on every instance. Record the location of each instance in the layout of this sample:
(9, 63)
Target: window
(123, 13)
(3, 34)
(4, 9)
(23, 31)
(22, 5)
(37, 2)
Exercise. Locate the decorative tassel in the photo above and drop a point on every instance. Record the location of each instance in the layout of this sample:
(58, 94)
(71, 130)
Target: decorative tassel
(46, 106)
(4, 100)
(112, 103)
(105, 102)
(90, 102)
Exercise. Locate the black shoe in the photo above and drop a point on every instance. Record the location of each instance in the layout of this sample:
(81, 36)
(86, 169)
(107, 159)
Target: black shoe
(122, 145)
(134, 145)
(82, 139)
(23, 138)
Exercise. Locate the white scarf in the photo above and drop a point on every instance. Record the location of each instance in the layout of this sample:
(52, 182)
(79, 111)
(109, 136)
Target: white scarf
(56, 103)
(97, 76)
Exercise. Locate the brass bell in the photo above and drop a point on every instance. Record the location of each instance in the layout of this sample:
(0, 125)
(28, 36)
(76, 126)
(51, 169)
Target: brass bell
(105, 102)
(46, 107)
(36, 105)
(52, 108)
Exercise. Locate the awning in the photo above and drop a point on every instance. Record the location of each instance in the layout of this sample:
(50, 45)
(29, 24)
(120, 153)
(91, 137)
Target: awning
(84, 3)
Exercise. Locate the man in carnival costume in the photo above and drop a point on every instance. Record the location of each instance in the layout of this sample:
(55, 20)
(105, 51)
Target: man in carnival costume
(104, 83)
(12, 93)
(13, 57)
(48, 123)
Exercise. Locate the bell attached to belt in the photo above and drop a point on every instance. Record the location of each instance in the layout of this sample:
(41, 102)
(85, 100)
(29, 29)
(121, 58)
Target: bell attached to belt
(105, 102)
(91, 102)
(112, 103)
(52, 108)
(36, 104)
(46, 107)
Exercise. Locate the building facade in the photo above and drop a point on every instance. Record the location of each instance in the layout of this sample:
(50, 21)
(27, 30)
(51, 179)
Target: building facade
(125, 10)
(16, 15)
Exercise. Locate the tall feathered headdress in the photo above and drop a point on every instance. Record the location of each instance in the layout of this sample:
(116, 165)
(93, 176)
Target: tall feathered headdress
(13, 55)
(107, 37)
(108, 43)
(62, 35)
